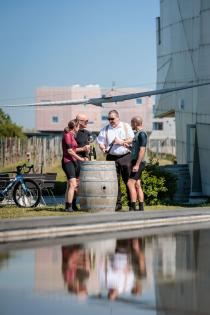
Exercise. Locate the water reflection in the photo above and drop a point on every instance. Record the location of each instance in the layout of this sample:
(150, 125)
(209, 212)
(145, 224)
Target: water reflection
(164, 275)
(76, 268)
(4, 257)
(114, 268)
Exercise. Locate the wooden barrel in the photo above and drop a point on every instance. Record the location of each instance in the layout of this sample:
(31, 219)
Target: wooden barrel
(182, 172)
(98, 186)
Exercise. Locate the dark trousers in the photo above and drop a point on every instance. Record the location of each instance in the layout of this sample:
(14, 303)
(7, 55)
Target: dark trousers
(122, 163)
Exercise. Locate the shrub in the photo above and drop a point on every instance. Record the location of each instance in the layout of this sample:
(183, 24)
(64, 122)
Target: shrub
(158, 185)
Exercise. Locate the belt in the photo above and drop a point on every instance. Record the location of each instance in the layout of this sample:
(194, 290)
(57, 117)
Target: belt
(118, 156)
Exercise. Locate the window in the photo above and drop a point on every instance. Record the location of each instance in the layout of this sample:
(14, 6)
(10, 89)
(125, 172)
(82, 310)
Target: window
(154, 109)
(55, 119)
(138, 101)
(154, 143)
(173, 142)
(104, 117)
(157, 126)
(158, 26)
(45, 101)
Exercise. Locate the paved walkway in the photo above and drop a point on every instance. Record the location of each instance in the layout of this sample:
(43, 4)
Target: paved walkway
(83, 225)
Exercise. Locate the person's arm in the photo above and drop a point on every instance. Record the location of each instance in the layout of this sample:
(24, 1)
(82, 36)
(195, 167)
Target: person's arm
(140, 159)
(129, 134)
(101, 140)
(68, 141)
(142, 139)
(124, 142)
(76, 156)
(85, 148)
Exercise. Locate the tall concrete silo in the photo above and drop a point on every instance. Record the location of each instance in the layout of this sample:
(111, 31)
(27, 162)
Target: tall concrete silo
(183, 50)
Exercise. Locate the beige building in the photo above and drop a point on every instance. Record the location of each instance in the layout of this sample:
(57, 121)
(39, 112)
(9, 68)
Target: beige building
(163, 137)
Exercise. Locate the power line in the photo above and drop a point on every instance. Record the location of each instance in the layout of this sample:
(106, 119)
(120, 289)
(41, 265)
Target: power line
(65, 90)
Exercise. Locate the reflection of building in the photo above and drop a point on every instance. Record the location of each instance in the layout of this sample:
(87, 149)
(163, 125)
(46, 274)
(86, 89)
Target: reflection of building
(188, 291)
(48, 271)
(165, 256)
(183, 50)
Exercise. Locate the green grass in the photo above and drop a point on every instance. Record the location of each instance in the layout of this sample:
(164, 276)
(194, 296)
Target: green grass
(13, 212)
(10, 168)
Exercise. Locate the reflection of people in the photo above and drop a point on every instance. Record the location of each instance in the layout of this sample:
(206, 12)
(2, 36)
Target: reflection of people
(137, 164)
(113, 140)
(69, 162)
(118, 276)
(129, 268)
(116, 269)
(138, 263)
(116, 273)
(75, 269)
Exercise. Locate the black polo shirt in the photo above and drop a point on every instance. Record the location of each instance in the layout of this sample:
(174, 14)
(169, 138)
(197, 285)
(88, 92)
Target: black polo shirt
(82, 138)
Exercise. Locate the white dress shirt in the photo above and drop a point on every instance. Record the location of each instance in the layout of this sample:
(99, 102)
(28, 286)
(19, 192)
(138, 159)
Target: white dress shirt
(122, 131)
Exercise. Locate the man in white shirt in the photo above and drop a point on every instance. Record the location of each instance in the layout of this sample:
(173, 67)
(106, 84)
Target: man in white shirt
(114, 140)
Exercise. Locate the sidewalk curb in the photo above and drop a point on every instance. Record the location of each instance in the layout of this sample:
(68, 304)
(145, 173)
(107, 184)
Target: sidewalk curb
(47, 232)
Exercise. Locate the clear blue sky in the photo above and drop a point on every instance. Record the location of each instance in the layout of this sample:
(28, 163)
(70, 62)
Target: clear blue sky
(65, 42)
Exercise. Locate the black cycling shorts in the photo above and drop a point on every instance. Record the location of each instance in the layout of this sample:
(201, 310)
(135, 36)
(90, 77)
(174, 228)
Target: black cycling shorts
(137, 175)
(71, 169)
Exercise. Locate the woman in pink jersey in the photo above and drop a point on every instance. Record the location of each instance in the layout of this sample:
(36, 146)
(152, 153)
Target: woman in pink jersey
(69, 161)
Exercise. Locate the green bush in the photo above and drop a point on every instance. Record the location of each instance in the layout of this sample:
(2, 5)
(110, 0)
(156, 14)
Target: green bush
(124, 193)
(158, 185)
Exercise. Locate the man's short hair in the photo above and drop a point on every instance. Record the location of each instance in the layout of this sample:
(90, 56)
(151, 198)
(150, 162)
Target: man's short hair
(138, 120)
(115, 112)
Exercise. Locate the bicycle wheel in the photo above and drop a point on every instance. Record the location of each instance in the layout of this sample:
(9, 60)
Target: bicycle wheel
(29, 197)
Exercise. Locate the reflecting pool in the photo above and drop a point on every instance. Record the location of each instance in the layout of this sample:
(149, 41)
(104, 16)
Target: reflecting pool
(162, 274)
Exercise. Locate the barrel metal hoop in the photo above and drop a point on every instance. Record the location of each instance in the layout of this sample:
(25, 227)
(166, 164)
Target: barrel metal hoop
(95, 196)
(98, 169)
(97, 181)
(97, 207)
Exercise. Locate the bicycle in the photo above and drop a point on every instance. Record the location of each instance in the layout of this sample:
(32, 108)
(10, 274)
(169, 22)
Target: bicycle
(25, 191)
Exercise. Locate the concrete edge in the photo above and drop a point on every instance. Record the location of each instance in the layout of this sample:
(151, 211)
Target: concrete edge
(94, 228)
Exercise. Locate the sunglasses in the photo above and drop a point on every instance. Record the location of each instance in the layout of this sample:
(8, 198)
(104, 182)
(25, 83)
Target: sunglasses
(111, 119)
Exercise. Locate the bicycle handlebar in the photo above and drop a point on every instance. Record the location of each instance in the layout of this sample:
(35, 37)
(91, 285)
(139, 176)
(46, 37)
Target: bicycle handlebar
(21, 167)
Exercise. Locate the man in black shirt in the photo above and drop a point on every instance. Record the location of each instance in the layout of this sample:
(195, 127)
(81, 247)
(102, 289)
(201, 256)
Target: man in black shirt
(83, 136)
(83, 149)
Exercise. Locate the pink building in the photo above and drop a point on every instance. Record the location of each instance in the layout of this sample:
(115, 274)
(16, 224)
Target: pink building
(55, 118)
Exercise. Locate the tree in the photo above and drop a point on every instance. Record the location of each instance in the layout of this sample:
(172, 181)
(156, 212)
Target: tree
(8, 128)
